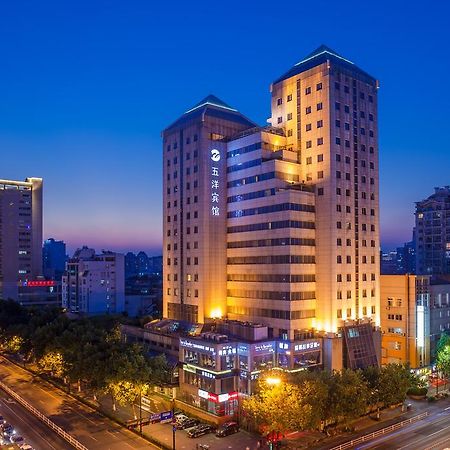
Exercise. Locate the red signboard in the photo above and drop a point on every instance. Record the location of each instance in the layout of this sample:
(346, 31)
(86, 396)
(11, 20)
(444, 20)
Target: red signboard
(44, 283)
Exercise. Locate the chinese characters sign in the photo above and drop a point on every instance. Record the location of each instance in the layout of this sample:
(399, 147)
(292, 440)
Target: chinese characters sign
(215, 158)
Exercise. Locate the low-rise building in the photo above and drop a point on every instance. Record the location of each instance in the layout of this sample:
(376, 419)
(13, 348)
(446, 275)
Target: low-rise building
(94, 283)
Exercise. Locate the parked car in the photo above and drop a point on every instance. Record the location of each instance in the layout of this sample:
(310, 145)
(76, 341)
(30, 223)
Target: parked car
(16, 439)
(227, 428)
(180, 418)
(189, 423)
(7, 430)
(199, 430)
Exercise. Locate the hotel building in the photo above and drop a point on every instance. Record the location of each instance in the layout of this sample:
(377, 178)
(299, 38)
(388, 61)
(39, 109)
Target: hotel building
(20, 234)
(276, 228)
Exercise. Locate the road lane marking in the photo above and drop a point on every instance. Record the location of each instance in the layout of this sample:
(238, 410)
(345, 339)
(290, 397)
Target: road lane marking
(424, 438)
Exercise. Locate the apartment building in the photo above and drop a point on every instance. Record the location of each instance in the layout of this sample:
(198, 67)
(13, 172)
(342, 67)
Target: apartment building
(20, 234)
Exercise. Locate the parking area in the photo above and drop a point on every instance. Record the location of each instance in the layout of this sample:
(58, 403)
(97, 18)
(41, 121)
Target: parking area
(238, 441)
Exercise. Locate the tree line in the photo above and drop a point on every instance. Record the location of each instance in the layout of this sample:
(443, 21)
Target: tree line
(87, 351)
(316, 400)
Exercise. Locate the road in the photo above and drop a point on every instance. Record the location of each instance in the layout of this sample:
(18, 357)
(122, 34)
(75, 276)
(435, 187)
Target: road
(431, 433)
(85, 424)
(35, 432)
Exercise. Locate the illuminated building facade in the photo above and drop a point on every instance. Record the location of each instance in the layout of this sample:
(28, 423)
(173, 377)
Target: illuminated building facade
(20, 234)
(278, 226)
(433, 233)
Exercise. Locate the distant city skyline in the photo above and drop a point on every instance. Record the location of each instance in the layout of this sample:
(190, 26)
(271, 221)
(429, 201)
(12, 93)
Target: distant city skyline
(84, 110)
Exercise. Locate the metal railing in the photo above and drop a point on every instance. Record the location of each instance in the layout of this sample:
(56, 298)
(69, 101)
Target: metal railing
(58, 430)
(375, 434)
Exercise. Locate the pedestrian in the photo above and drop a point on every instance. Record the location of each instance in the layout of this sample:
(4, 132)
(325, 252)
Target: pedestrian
(258, 445)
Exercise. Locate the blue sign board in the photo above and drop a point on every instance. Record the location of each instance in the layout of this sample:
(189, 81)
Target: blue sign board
(166, 415)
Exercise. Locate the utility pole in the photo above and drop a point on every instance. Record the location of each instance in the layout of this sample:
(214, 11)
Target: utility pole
(174, 428)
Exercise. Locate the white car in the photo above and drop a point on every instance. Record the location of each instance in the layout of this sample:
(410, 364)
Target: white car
(26, 447)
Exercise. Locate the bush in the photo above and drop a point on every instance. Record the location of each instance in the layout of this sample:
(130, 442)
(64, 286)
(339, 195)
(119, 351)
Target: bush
(417, 391)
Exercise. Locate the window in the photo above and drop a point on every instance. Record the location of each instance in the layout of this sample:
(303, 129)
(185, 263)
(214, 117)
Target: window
(308, 110)
(308, 144)
(320, 174)
(339, 295)
(338, 242)
(338, 208)
(320, 158)
(279, 101)
(319, 106)
(319, 123)
(289, 116)
(289, 98)
(337, 86)
(289, 133)
(280, 119)
(338, 123)
(349, 312)
(339, 313)
(309, 160)
(347, 109)
(338, 174)
(338, 142)
(339, 225)
(349, 259)
(320, 191)
(308, 90)
(320, 141)
(319, 87)
(337, 106)
(338, 157)
(349, 277)
(339, 259)
(308, 127)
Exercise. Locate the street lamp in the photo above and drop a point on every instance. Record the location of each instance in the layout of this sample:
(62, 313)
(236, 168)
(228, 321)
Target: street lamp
(273, 381)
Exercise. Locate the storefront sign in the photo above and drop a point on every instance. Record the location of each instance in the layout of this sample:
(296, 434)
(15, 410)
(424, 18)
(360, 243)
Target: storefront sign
(315, 345)
(264, 347)
(196, 346)
(215, 158)
(242, 349)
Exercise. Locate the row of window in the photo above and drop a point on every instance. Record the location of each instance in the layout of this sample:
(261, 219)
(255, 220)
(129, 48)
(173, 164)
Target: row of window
(349, 277)
(271, 313)
(189, 292)
(270, 209)
(349, 242)
(194, 260)
(188, 172)
(251, 195)
(273, 259)
(349, 294)
(244, 150)
(271, 226)
(271, 242)
(188, 141)
(272, 278)
(349, 312)
(189, 277)
(271, 295)
(262, 177)
(244, 165)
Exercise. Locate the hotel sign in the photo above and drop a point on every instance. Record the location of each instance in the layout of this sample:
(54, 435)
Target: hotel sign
(306, 346)
(215, 173)
(196, 346)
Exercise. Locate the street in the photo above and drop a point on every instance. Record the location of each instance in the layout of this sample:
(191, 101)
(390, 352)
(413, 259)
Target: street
(92, 429)
(431, 433)
(35, 432)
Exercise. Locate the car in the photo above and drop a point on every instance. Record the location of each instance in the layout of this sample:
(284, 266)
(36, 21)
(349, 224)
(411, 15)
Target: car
(199, 430)
(180, 418)
(7, 430)
(26, 447)
(16, 439)
(189, 423)
(227, 428)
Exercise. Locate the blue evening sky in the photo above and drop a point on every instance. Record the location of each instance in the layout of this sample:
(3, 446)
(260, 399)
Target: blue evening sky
(87, 86)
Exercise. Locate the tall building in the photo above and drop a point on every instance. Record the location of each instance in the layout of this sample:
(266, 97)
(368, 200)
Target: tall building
(195, 204)
(279, 225)
(54, 258)
(20, 234)
(94, 283)
(433, 233)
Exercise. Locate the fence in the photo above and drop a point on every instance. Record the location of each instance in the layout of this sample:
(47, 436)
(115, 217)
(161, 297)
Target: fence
(66, 436)
(375, 434)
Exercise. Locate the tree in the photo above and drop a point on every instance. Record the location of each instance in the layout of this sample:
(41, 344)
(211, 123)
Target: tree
(280, 408)
(443, 355)
(53, 362)
(394, 383)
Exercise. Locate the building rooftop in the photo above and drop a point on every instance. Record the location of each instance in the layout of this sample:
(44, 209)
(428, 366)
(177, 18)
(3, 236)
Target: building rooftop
(321, 55)
(212, 106)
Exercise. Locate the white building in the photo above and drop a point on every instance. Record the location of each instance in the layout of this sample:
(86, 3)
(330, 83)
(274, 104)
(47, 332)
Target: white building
(94, 283)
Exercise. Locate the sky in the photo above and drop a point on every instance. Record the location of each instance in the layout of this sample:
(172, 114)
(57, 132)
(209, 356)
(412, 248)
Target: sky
(87, 86)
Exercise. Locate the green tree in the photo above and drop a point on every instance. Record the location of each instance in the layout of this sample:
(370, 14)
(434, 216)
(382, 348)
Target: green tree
(394, 383)
(443, 355)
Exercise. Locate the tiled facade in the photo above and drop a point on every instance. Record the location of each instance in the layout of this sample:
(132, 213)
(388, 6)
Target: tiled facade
(20, 234)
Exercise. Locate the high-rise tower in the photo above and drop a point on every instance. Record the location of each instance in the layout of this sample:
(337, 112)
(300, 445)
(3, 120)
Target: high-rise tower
(194, 198)
(328, 109)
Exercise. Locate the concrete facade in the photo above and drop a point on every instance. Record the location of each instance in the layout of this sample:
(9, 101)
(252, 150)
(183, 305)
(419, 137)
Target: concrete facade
(94, 283)
(20, 234)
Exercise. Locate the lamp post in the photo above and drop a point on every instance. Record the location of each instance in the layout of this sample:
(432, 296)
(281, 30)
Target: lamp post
(173, 419)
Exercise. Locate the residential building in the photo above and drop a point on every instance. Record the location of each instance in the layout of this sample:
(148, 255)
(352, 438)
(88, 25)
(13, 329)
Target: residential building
(275, 228)
(94, 283)
(415, 311)
(433, 233)
(54, 258)
(20, 234)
